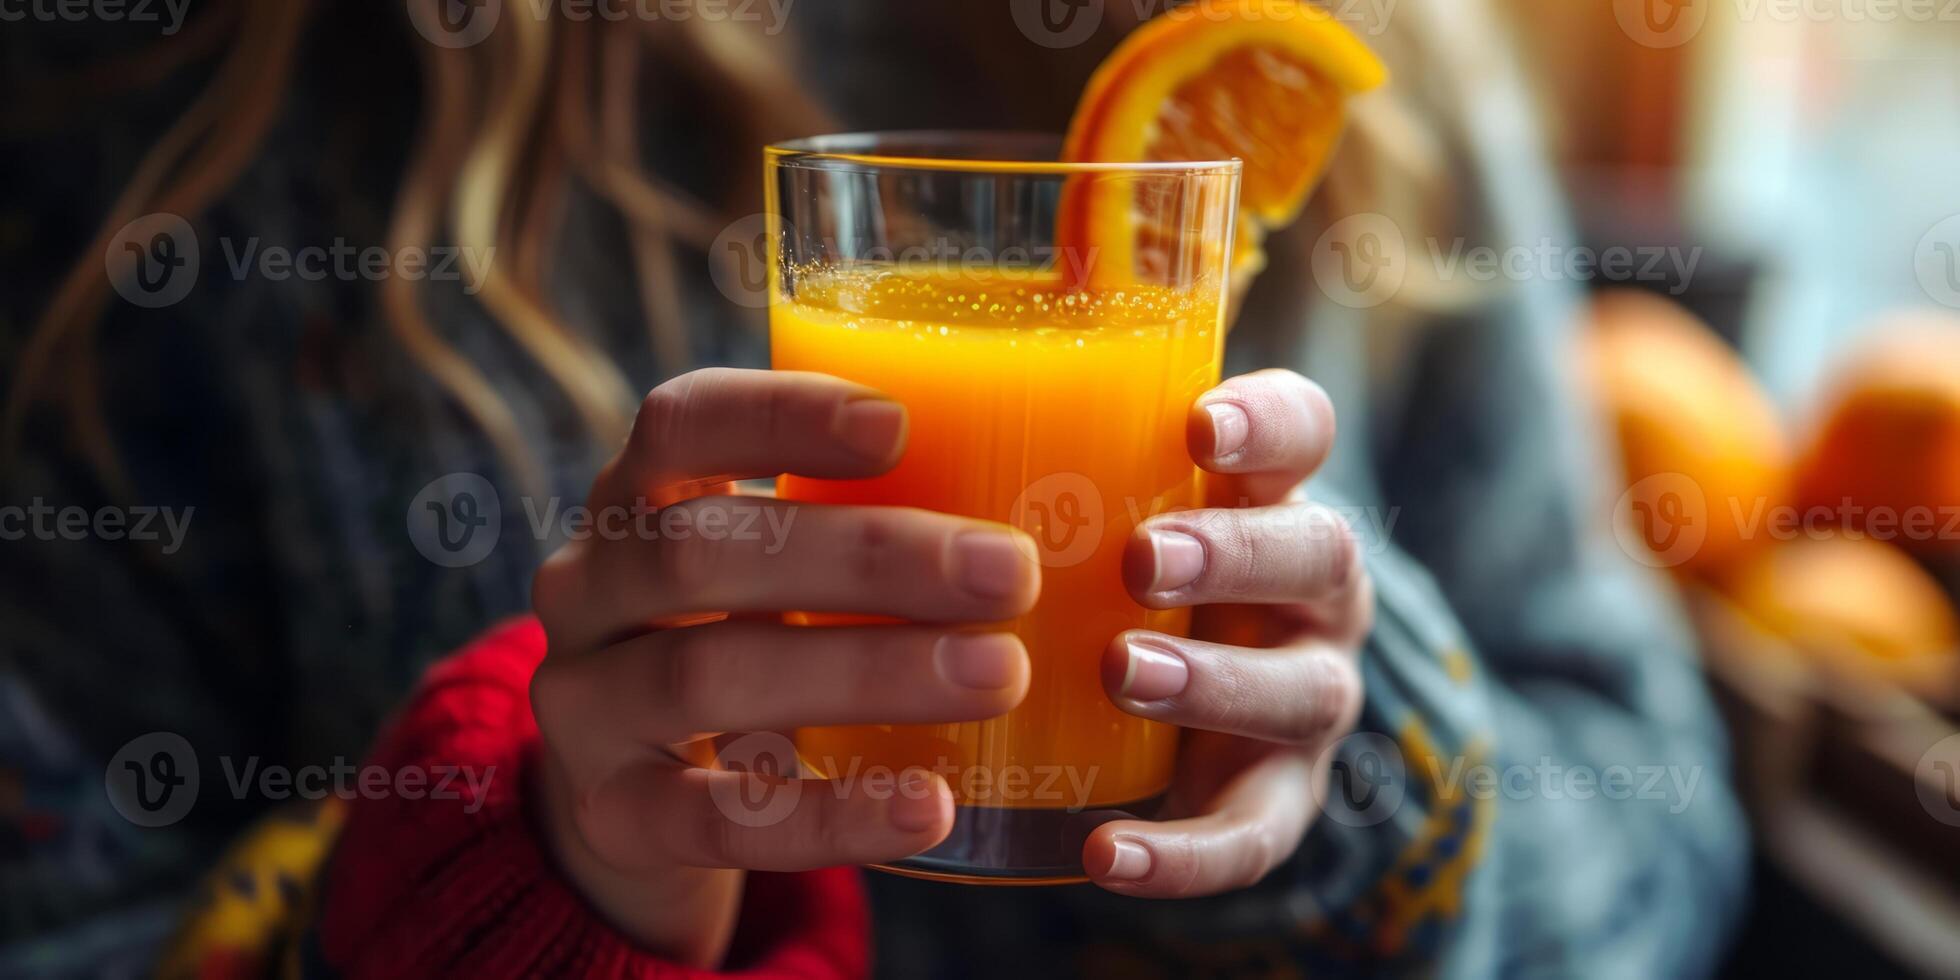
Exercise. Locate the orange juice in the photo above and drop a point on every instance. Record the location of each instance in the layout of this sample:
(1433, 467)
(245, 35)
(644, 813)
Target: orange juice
(1062, 412)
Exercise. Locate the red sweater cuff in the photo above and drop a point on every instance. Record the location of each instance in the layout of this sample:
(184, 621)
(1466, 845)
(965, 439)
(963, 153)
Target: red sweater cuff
(452, 879)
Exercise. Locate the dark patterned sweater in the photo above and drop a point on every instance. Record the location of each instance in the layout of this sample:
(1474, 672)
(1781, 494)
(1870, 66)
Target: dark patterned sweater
(290, 440)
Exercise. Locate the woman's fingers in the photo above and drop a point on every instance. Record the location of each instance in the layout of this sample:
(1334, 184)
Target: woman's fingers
(1304, 554)
(721, 424)
(651, 815)
(1254, 823)
(1302, 695)
(755, 554)
(1271, 428)
(604, 713)
(748, 676)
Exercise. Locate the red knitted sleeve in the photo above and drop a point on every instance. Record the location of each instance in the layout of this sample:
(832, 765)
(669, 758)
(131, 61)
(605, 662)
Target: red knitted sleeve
(449, 877)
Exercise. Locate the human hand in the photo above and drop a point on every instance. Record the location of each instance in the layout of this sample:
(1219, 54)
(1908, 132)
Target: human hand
(655, 639)
(1270, 680)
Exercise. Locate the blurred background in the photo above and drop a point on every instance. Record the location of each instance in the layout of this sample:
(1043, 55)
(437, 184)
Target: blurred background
(1810, 364)
(1779, 355)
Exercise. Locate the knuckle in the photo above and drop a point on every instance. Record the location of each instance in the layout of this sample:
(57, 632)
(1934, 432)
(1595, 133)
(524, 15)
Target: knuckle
(1331, 701)
(551, 696)
(664, 410)
(870, 666)
(1232, 553)
(885, 648)
(1249, 855)
(594, 831)
(659, 402)
(872, 552)
(684, 682)
(552, 587)
(688, 566)
(1181, 860)
(781, 405)
(1259, 850)
(720, 840)
(1364, 609)
(1338, 546)
(830, 832)
(1235, 701)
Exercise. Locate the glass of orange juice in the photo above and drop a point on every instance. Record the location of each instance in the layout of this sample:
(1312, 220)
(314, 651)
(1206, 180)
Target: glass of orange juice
(1046, 389)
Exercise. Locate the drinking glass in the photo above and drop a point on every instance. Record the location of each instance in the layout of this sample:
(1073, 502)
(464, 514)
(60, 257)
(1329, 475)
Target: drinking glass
(1048, 327)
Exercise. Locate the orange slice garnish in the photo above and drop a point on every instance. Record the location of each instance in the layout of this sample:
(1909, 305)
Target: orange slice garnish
(1263, 81)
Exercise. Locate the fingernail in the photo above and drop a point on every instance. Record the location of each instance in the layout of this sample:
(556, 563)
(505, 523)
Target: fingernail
(989, 564)
(981, 661)
(916, 806)
(1229, 428)
(1153, 674)
(1132, 862)
(870, 426)
(1180, 559)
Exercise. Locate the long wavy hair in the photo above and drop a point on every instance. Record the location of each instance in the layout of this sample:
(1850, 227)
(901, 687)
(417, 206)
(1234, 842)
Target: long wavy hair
(506, 129)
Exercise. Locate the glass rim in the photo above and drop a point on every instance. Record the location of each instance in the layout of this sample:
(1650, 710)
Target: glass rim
(873, 150)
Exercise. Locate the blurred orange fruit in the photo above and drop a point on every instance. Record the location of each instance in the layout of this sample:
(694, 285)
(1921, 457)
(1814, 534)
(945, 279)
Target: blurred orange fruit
(1263, 81)
(1886, 453)
(1703, 453)
(1857, 604)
